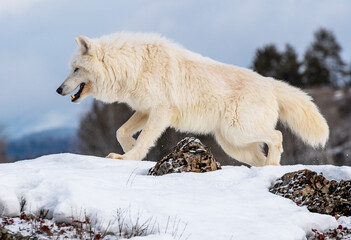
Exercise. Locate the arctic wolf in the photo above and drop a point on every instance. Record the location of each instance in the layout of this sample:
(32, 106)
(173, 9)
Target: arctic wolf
(169, 86)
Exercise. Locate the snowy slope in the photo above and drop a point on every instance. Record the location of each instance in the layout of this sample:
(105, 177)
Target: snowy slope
(232, 203)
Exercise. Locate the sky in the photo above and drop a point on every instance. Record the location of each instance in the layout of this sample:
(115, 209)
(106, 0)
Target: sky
(37, 42)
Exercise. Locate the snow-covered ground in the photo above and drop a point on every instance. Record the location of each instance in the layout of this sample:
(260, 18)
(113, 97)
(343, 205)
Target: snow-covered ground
(232, 203)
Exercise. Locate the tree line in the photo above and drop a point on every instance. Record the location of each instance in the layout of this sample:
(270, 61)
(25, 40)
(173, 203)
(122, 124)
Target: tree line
(322, 64)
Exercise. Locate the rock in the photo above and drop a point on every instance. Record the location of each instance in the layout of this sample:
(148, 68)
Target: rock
(189, 155)
(307, 188)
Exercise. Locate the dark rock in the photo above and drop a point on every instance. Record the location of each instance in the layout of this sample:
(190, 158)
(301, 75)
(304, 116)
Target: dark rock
(189, 155)
(307, 188)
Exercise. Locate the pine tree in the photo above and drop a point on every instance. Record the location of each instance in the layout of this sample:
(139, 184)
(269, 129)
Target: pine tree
(267, 61)
(322, 62)
(279, 65)
(289, 68)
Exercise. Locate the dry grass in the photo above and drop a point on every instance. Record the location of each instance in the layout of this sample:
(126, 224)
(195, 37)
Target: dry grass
(124, 225)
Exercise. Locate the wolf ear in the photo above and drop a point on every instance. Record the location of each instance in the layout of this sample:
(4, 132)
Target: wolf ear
(85, 44)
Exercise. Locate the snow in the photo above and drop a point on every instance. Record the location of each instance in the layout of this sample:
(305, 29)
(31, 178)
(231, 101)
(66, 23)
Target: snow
(232, 203)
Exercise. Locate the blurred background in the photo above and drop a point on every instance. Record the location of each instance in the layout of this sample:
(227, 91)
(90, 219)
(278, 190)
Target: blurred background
(306, 43)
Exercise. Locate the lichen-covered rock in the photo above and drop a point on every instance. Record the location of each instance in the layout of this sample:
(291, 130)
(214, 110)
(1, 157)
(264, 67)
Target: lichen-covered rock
(189, 155)
(307, 188)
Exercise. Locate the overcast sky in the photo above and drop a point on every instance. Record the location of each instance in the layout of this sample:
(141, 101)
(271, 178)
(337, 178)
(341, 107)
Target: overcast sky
(37, 42)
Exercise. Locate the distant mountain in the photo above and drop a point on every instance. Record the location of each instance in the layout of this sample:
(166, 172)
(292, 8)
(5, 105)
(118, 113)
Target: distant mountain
(41, 143)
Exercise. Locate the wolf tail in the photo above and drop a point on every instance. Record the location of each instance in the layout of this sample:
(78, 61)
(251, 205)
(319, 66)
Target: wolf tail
(301, 115)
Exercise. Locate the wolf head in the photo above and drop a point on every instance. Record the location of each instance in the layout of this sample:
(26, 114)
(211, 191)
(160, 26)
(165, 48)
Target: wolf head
(110, 68)
(86, 70)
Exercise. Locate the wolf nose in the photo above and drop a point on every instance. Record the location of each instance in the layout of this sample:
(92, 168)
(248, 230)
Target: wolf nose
(59, 90)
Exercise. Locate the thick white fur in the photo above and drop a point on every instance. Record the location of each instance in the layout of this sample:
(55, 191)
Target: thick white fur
(169, 86)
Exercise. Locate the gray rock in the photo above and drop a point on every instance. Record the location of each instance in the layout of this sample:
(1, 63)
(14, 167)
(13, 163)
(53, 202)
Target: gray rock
(307, 188)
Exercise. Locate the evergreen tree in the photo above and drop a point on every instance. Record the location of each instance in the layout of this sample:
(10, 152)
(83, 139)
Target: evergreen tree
(289, 68)
(267, 61)
(322, 62)
(279, 65)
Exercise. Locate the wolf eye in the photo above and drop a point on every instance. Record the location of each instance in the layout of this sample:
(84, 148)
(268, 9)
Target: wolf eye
(76, 69)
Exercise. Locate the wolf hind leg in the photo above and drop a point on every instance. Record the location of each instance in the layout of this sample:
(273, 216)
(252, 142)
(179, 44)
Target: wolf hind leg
(250, 154)
(275, 148)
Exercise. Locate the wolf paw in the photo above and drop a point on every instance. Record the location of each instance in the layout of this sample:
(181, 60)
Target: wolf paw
(116, 156)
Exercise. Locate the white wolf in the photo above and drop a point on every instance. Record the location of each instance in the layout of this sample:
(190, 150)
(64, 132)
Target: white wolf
(169, 86)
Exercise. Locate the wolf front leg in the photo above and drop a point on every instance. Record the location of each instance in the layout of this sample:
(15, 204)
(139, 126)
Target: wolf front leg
(125, 133)
(159, 119)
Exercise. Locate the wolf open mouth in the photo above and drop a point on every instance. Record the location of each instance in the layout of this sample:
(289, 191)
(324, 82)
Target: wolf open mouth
(76, 96)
